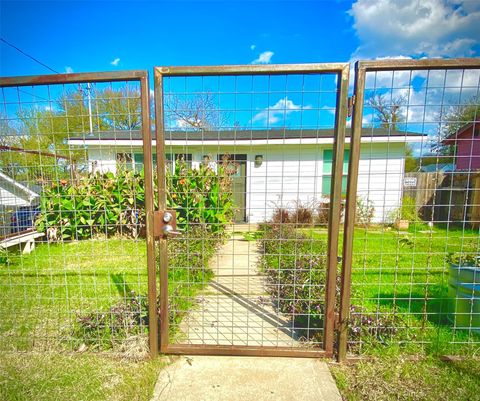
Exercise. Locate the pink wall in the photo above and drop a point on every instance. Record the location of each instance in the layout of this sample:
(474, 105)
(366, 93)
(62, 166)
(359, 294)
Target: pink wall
(468, 152)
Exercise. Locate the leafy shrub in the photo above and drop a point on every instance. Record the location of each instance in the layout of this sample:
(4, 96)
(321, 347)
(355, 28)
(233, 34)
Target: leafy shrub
(295, 266)
(201, 196)
(281, 215)
(114, 204)
(407, 211)
(463, 259)
(124, 319)
(323, 212)
(96, 204)
(364, 212)
(4, 257)
(302, 214)
(373, 328)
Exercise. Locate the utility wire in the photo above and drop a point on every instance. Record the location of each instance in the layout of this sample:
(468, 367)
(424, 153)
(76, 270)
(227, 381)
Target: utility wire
(28, 55)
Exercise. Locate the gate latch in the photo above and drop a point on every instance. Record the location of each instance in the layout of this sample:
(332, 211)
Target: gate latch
(165, 223)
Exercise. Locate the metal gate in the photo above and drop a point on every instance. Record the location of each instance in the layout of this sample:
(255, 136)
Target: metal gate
(424, 100)
(251, 160)
(68, 143)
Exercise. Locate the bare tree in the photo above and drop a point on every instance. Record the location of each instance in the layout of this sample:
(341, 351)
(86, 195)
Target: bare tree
(199, 112)
(388, 110)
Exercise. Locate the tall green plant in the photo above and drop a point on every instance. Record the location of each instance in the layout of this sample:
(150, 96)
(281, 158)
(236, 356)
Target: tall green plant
(96, 204)
(200, 196)
(114, 204)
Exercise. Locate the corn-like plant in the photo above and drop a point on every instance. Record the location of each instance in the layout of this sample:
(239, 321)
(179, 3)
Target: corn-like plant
(114, 204)
(201, 196)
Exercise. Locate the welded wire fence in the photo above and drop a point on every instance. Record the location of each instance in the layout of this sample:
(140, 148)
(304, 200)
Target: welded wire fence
(269, 136)
(416, 248)
(255, 167)
(72, 204)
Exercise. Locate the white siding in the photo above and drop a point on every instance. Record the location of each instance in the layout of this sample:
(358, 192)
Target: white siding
(292, 173)
(103, 159)
(380, 177)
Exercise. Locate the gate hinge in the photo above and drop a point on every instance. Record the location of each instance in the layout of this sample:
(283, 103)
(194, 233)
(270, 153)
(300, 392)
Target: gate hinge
(351, 103)
(165, 223)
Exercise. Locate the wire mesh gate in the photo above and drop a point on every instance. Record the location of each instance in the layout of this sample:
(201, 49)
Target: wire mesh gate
(73, 205)
(411, 278)
(244, 155)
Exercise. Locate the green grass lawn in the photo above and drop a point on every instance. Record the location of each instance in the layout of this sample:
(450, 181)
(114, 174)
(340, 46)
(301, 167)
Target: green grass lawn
(43, 292)
(43, 295)
(407, 272)
(77, 377)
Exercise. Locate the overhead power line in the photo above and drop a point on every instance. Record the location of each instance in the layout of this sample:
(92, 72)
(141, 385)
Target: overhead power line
(28, 55)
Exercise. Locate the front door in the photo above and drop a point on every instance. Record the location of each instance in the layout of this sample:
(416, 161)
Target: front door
(238, 163)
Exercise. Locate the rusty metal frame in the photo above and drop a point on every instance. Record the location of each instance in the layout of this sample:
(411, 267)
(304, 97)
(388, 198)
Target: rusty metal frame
(140, 76)
(361, 69)
(342, 71)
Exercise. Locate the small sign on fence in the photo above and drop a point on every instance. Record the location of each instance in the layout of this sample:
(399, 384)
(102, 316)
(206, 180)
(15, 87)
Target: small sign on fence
(410, 182)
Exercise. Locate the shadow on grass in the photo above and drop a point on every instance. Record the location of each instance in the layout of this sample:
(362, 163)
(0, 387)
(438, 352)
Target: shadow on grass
(422, 314)
(124, 290)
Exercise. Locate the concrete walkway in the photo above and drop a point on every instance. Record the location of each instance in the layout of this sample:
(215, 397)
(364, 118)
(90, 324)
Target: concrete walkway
(235, 308)
(211, 378)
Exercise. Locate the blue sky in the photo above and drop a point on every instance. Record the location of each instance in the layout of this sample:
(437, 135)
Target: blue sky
(86, 36)
(90, 36)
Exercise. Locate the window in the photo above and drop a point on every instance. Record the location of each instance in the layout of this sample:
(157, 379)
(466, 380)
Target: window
(136, 162)
(124, 160)
(327, 171)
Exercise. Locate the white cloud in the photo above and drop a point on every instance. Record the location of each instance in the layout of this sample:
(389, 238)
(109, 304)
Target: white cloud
(252, 47)
(432, 28)
(264, 58)
(115, 62)
(68, 70)
(278, 111)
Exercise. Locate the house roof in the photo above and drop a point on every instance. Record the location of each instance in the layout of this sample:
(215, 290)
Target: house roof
(451, 140)
(239, 135)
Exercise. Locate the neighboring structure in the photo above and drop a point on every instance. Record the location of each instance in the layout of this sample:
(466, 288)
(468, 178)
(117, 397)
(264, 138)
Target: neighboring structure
(13, 195)
(467, 142)
(278, 166)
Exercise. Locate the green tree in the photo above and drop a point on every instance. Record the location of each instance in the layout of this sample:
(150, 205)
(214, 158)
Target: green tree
(455, 118)
(120, 109)
(45, 131)
(410, 160)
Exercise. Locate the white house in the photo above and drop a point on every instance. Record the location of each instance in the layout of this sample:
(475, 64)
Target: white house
(276, 166)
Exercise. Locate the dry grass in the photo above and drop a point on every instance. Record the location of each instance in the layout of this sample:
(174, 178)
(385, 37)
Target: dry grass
(397, 378)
